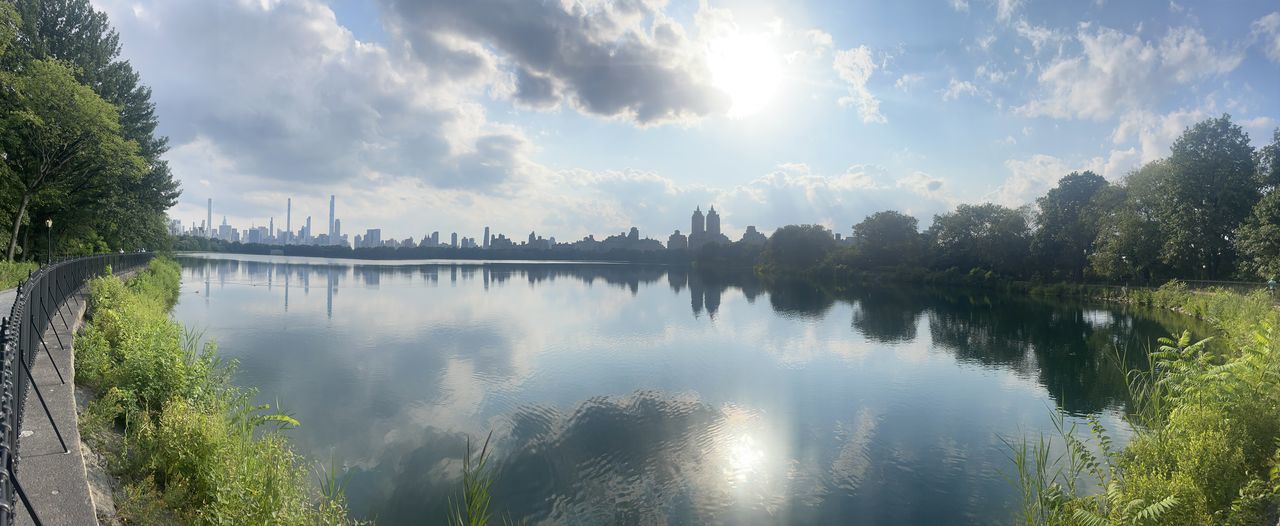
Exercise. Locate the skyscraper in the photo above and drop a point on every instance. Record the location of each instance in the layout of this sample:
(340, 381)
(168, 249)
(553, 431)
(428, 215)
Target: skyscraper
(271, 227)
(713, 223)
(486, 237)
(306, 234)
(337, 232)
(453, 240)
(699, 224)
(288, 220)
(332, 234)
(209, 220)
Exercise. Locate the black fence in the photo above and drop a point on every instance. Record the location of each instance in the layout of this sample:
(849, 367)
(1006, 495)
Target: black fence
(39, 301)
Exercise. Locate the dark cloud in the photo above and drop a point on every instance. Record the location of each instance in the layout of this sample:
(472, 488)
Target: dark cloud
(537, 91)
(285, 94)
(602, 56)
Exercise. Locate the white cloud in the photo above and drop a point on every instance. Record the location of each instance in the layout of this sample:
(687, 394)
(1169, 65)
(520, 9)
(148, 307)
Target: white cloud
(855, 67)
(1155, 132)
(1006, 8)
(1266, 31)
(1034, 176)
(1186, 53)
(960, 5)
(1118, 72)
(907, 80)
(958, 88)
(1038, 36)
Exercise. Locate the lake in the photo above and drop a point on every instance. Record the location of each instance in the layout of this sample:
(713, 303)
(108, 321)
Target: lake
(619, 394)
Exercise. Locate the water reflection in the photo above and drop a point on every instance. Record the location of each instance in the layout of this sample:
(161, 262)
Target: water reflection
(652, 395)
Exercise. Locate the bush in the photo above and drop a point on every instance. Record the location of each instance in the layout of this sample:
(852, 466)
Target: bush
(1207, 421)
(11, 272)
(194, 450)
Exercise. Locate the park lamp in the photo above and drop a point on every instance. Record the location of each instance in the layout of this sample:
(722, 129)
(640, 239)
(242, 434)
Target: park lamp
(48, 223)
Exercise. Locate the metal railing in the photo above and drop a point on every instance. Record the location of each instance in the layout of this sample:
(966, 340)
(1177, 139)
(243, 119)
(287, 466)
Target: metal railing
(39, 301)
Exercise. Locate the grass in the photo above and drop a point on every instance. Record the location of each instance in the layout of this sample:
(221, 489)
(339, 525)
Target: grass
(1206, 421)
(13, 272)
(187, 446)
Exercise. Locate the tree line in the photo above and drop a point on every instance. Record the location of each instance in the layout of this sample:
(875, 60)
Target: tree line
(78, 137)
(1208, 211)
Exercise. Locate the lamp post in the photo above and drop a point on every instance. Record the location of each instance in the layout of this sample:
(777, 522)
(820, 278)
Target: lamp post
(48, 223)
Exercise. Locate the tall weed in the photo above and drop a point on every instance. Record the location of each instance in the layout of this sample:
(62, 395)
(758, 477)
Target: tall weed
(194, 450)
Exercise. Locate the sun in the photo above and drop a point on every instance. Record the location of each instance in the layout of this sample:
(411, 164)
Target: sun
(748, 69)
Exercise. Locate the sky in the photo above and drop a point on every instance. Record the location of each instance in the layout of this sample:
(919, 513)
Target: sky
(583, 117)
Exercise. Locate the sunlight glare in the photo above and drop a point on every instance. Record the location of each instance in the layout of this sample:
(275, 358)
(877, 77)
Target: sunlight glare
(748, 69)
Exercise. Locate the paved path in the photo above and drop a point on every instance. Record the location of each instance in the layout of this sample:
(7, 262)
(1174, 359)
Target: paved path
(55, 481)
(6, 301)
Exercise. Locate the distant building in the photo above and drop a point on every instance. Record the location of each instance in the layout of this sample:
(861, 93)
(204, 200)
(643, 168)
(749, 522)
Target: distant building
(752, 237)
(373, 237)
(677, 241)
(706, 229)
(486, 237)
(453, 240)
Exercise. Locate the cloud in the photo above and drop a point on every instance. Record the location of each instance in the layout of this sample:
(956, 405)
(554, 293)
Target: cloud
(1186, 53)
(1266, 31)
(855, 67)
(1118, 72)
(956, 89)
(1033, 176)
(1006, 8)
(907, 80)
(960, 5)
(285, 94)
(1038, 36)
(1155, 132)
(603, 58)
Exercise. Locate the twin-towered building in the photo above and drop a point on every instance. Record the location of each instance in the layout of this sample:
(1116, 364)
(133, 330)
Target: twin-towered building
(703, 230)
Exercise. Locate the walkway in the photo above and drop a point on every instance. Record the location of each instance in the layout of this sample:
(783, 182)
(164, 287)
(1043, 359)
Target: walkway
(56, 482)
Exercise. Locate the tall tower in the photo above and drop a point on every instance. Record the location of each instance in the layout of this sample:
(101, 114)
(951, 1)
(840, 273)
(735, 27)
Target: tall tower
(288, 220)
(271, 228)
(306, 237)
(486, 237)
(713, 222)
(699, 225)
(331, 232)
(337, 232)
(208, 229)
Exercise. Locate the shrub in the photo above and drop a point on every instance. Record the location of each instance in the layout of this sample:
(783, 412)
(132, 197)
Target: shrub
(193, 446)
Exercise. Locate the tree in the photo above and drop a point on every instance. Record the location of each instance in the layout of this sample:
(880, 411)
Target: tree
(798, 247)
(886, 239)
(1065, 230)
(1267, 161)
(986, 236)
(1258, 239)
(130, 213)
(1212, 190)
(1130, 237)
(59, 138)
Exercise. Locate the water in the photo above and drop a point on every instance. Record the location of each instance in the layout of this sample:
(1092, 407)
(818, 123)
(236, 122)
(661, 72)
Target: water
(643, 395)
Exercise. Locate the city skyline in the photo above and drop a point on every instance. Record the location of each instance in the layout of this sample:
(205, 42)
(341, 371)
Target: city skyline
(704, 229)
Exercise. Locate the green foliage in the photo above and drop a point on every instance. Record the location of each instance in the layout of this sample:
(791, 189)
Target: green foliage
(1258, 239)
(194, 450)
(987, 236)
(477, 479)
(1206, 417)
(1067, 229)
(101, 209)
(886, 239)
(1212, 190)
(13, 272)
(60, 139)
(797, 248)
